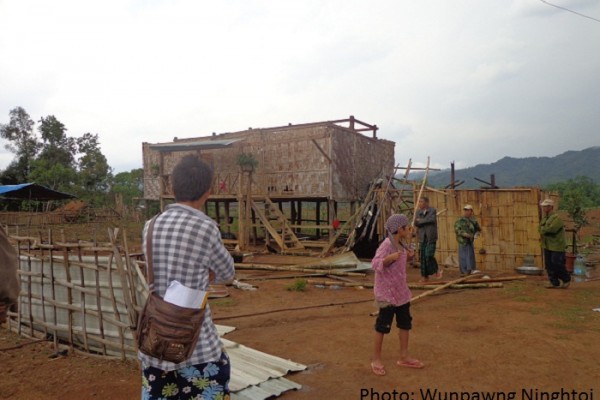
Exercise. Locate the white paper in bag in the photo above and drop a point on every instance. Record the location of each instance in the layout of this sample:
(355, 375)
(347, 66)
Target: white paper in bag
(184, 296)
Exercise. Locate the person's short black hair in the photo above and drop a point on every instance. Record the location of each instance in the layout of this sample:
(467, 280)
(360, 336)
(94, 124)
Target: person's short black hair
(191, 178)
(425, 199)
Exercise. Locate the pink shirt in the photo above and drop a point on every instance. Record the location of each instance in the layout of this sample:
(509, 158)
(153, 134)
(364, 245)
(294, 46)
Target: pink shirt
(390, 282)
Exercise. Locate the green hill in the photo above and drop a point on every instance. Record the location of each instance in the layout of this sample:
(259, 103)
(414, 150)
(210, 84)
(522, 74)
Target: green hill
(530, 171)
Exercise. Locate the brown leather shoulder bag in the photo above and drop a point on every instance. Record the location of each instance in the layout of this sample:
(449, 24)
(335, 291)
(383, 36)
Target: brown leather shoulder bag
(166, 331)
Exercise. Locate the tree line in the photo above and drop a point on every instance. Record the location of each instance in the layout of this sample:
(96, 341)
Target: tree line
(76, 165)
(576, 196)
(50, 157)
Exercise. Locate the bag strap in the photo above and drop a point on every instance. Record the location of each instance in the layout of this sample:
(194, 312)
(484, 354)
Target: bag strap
(149, 268)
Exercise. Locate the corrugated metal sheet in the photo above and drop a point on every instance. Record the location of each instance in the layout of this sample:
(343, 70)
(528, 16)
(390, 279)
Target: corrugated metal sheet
(255, 366)
(256, 375)
(348, 259)
(265, 390)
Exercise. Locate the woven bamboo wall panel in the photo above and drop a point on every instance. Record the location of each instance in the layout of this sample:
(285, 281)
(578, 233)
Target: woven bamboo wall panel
(320, 161)
(509, 220)
(358, 160)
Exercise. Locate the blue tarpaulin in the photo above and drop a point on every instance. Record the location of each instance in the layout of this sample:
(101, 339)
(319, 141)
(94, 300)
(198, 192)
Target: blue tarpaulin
(31, 191)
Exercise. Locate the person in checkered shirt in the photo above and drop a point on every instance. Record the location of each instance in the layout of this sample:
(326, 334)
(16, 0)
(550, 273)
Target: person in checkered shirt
(187, 247)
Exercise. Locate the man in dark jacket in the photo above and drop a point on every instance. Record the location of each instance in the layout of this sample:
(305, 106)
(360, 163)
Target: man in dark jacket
(426, 221)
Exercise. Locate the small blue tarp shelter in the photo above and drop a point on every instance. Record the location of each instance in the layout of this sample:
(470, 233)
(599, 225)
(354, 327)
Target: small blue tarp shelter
(31, 191)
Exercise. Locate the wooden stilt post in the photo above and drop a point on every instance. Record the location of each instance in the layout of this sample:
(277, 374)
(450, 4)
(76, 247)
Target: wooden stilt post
(218, 213)
(241, 214)
(318, 217)
(330, 215)
(248, 205)
(227, 216)
(299, 216)
(254, 230)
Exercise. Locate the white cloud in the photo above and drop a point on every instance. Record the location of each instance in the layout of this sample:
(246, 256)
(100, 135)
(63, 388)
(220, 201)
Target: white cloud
(460, 81)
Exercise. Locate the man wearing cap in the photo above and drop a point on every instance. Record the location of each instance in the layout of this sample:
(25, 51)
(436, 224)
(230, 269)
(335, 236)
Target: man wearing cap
(466, 228)
(552, 233)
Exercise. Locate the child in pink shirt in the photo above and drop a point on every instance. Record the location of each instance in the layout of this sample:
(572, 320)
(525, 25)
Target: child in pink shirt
(392, 294)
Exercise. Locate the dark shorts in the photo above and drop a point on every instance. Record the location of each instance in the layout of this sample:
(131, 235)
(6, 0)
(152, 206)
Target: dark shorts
(386, 316)
(206, 381)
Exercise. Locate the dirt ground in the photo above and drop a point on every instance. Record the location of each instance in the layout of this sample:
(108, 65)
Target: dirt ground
(519, 342)
(520, 339)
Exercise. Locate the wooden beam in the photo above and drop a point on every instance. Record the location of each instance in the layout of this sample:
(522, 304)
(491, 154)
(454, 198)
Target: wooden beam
(322, 151)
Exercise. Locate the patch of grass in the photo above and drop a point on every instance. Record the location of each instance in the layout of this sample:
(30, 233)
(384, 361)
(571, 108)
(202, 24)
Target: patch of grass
(518, 292)
(524, 298)
(515, 288)
(569, 317)
(539, 290)
(587, 295)
(299, 285)
(223, 302)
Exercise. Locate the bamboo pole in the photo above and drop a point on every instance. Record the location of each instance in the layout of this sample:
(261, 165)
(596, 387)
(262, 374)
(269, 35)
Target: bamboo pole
(341, 278)
(275, 277)
(442, 287)
(337, 283)
(126, 290)
(404, 181)
(296, 269)
(325, 266)
(437, 289)
(358, 215)
(416, 206)
(411, 286)
(348, 223)
(381, 205)
(461, 286)
(436, 190)
(481, 280)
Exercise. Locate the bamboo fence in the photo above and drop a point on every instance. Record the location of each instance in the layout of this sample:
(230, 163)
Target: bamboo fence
(509, 220)
(83, 295)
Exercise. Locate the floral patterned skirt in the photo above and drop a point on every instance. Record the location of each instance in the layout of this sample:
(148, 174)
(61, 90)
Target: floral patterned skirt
(208, 381)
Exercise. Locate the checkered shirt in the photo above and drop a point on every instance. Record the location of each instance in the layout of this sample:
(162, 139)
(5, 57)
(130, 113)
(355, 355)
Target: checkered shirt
(186, 245)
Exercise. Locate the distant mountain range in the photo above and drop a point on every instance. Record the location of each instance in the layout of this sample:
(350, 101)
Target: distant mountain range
(530, 171)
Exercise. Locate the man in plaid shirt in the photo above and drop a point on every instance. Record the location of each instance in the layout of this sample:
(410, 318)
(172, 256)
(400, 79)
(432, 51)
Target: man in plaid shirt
(187, 247)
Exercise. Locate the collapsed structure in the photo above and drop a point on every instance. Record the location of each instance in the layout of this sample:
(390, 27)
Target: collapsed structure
(327, 180)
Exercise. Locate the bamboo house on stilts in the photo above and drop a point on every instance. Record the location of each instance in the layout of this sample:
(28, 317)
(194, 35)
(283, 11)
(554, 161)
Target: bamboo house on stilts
(291, 188)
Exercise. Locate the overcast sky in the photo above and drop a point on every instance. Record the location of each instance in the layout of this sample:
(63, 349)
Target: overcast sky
(464, 81)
